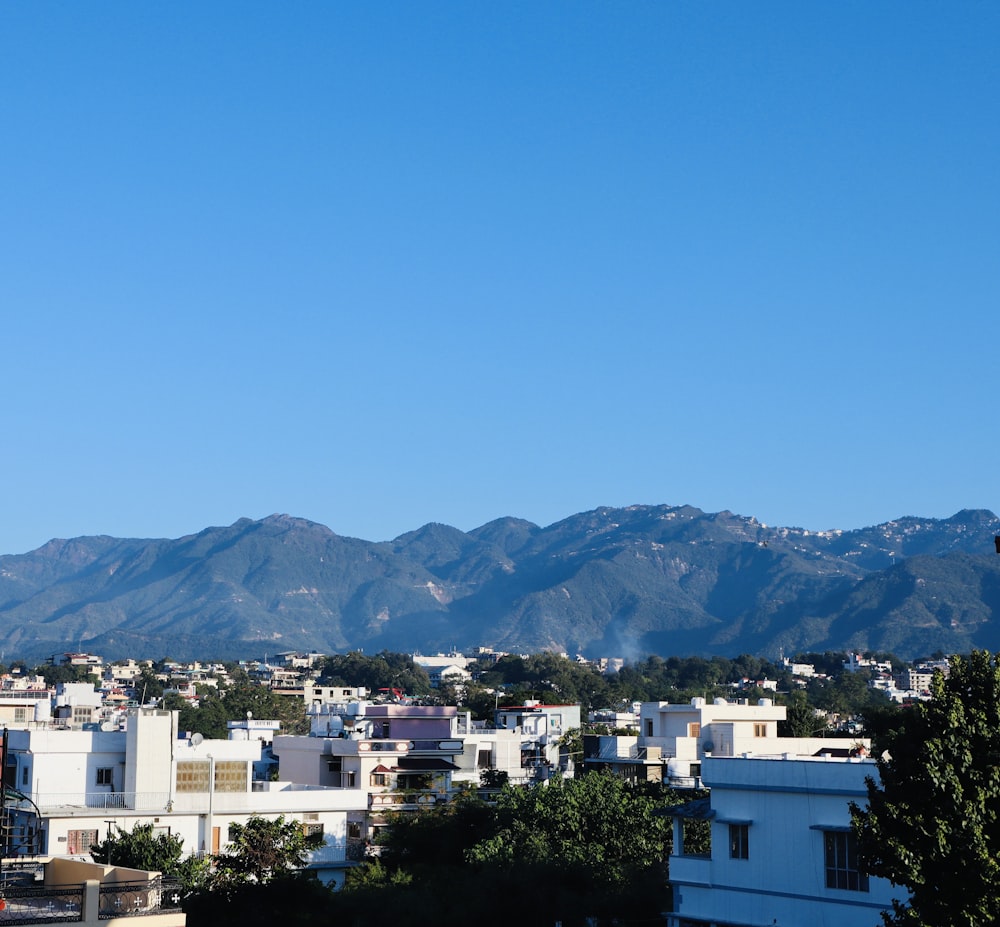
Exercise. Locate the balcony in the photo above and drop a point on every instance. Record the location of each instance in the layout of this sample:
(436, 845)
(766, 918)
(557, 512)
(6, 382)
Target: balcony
(132, 801)
(383, 746)
(406, 801)
(436, 746)
(691, 870)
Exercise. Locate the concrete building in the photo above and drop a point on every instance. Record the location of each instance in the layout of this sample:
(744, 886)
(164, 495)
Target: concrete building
(781, 848)
(541, 727)
(488, 748)
(387, 757)
(444, 668)
(673, 740)
(78, 785)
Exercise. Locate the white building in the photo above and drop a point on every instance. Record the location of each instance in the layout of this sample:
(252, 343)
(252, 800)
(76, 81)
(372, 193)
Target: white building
(386, 757)
(79, 785)
(781, 852)
(445, 668)
(674, 739)
(541, 727)
(484, 747)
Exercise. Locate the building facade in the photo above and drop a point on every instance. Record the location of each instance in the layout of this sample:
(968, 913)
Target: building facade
(781, 849)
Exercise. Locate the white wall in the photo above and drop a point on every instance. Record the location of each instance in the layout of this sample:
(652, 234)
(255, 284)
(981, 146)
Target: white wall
(787, 802)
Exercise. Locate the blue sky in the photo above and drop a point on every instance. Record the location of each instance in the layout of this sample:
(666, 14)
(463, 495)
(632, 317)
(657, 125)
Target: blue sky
(383, 264)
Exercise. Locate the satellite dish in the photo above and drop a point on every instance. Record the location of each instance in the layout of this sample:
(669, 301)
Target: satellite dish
(109, 726)
(708, 746)
(196, 739)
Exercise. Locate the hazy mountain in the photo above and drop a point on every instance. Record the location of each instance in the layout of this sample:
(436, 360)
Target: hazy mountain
(626, 582)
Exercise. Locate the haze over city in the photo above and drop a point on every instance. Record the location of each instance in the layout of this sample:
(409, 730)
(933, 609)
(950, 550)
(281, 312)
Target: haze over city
(377, 266)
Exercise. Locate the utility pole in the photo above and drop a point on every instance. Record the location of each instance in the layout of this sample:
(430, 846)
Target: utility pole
(5, 838)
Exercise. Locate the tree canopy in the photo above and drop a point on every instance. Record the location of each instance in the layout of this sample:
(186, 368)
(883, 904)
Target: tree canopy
(217, 706)
(259, 851)
(386, 670)
(143, 848)
(568, 851)
(932, 821)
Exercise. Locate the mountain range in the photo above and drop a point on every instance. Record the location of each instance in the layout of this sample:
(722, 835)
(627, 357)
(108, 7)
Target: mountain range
(627, 582)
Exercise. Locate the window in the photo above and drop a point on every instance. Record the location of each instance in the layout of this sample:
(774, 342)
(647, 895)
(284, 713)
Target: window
(694, 729)
(649, 727)
(841, 858)
(104, 776)
(379, 779)
(79, 842)
(760, 729)
(385, 729)
(484, 759)
(192, 775)
(25, 772)
(21, 714)
(230, 776)
(82, 714)
(313, 830)
(739, 841)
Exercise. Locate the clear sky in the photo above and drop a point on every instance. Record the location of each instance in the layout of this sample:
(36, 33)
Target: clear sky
(380, 264)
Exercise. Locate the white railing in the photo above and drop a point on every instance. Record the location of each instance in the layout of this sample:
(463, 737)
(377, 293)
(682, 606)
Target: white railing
(133, 801)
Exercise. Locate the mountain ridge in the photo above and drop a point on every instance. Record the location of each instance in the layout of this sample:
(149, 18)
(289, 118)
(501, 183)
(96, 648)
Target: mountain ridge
(611, 581)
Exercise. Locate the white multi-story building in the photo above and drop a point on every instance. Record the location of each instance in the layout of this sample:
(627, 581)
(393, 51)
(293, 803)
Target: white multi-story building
(674, 739)
(781, 851)
(387, 757)
(484, 747)
(79, 785)
(541, 728)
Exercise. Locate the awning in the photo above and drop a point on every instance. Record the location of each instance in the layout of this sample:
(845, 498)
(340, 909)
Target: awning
(381, 769)
(699, 809)
(419, 764)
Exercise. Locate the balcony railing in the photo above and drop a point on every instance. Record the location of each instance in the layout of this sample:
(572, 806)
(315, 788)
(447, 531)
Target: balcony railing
(133, 801)
(443, 745)
(388, 801)
(29, 905)
(134, 899)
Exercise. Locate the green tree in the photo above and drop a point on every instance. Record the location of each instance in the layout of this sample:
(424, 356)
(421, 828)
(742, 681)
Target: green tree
(387, 670)
(567, 851)
(599, 825)
(259, 851)
(146, 686)
(217, 706)
(291, 901)
(932, 821)
(801, 719)
(141, 848)
(66, 672)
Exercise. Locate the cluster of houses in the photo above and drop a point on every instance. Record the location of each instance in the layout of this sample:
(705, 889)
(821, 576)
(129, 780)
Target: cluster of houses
(76, 768)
